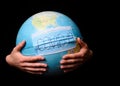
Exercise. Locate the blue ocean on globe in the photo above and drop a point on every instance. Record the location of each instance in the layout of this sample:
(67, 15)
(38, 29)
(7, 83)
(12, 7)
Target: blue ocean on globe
(50, 34)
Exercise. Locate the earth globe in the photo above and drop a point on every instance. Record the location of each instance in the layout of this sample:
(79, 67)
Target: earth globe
(50, 34)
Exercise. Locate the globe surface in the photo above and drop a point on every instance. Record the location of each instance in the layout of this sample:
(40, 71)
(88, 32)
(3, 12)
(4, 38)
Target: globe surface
(49, 34)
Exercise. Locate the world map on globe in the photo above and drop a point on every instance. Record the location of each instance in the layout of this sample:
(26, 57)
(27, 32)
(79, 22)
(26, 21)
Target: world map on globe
(50, 34)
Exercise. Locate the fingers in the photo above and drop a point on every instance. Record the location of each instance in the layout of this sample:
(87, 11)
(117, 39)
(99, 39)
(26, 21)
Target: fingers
(34, 64)
(70, 67)
(70, 61)
(73, 56)
(33, 70)
(33, 58)
(81, 53)
(39, 71)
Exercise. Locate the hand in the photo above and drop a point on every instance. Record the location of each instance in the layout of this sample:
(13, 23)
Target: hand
(71, 62)
(28, 64)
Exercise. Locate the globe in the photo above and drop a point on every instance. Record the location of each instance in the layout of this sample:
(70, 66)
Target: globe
(50, 34)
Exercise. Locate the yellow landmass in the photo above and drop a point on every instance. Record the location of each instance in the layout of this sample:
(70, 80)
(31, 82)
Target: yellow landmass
(42, 21)
(75, 50)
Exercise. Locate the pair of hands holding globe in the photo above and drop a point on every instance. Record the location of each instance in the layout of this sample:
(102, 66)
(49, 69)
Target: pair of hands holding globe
(69, 62)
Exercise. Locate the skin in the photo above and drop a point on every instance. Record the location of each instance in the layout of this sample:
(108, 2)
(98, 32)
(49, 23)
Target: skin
(29, 64)
(71, 62)
(26, 63)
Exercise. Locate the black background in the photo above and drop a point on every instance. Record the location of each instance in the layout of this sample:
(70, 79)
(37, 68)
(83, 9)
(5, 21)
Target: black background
(86, 14)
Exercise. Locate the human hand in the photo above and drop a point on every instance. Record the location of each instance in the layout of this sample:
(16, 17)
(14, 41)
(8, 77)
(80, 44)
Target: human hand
(71, 62)
(28, 64)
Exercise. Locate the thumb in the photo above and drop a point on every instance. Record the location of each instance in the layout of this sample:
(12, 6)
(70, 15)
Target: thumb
(82, 43)
(19, 46)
